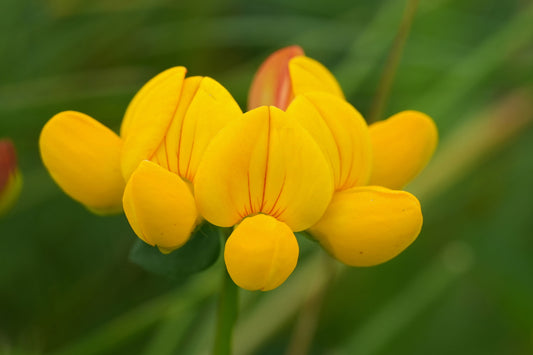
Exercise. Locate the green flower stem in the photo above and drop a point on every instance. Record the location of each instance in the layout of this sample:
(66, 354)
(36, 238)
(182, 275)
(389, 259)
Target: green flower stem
(227, 313)
(389, 72)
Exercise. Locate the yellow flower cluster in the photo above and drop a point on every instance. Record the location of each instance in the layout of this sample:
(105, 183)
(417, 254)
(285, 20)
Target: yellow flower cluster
(302, 158)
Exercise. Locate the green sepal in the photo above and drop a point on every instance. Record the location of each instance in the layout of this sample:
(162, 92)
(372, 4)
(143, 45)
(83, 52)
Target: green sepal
(199, 253)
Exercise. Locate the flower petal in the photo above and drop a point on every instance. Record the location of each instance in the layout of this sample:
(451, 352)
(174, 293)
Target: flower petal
(265, 163)
(366, 226)
(272, 83)
(308, 75)
(402, 146)
(261, 253)
(83, 157)
(160, 207)
(150, 93)
(211, 109)
(340, 131)
(178, 138)
(148, 117)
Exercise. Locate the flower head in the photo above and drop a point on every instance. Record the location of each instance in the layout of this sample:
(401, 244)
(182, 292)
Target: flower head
(10, 177)
(301, 159)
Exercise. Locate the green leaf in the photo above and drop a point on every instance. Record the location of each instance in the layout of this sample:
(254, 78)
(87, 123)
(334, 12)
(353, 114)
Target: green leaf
(200, 252)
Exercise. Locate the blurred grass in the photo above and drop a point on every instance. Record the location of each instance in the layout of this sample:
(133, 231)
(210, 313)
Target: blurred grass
(65, 277)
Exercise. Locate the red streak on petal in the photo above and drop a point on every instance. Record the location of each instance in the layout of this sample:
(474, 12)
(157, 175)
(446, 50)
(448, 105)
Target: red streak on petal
(266, 162)
(277, 198)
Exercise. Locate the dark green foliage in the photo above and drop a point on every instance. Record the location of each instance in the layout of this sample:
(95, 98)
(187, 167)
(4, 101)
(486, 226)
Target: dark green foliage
(200, 252)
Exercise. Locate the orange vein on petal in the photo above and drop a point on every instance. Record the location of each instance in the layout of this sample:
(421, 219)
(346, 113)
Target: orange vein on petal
(266, 163)
(183, 118)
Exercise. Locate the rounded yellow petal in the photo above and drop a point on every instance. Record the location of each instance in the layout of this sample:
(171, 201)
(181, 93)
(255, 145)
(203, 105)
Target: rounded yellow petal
(264, 163)
(148, 117)
(83, 157)
(261, 253)
(366, 226)
(340, 131)
(185, 123)
(308, 75)
(402, 146)
(272, 84)
(160, 207)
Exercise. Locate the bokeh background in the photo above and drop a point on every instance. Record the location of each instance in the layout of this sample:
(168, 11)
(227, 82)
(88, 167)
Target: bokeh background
(464, 287)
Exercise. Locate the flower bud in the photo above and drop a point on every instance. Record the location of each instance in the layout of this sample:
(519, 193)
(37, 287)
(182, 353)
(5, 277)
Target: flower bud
(10, 178)
(272, 83)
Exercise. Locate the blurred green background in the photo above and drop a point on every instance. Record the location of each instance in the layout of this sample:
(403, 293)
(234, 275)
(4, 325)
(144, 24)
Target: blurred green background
(464, 287)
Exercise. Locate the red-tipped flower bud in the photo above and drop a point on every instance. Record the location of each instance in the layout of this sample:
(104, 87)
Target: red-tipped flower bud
(10, 179)
(272, 82)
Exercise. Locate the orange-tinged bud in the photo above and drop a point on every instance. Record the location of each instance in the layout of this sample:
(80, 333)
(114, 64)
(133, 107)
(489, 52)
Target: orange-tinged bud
(10, 178)
(272, 83)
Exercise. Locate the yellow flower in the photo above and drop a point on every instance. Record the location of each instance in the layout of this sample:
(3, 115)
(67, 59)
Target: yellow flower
(186, 152)
(149, 170)
(367, 221)
(10, 177)
(265, 174)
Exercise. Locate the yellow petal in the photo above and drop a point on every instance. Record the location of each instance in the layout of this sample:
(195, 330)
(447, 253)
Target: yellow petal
(402, 146)
(272, 84)
(261, 253)
(308, 75)
(199, 110)
(83, 157)
(171, 78)
(211, 108)
(148, 117)
(366, 226)
(340, 131)
(160, 207)
(264, 162)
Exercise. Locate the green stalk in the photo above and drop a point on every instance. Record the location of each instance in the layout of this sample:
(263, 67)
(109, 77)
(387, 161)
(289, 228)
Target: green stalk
(389, 72)
(227, 314)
